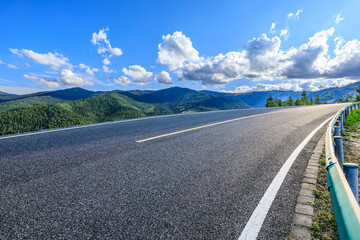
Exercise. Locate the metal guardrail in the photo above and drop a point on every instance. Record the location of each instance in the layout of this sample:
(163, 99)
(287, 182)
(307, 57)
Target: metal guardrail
(345, 205)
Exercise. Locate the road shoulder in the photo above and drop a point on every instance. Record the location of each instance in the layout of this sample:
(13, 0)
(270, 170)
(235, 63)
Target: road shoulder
(304, 211)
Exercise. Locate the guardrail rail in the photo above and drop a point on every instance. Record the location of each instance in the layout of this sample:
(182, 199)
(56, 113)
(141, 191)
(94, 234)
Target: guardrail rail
(345, 205)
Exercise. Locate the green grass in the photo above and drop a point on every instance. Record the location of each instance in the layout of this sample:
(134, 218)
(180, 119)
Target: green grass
(324, 224)
(352, 121)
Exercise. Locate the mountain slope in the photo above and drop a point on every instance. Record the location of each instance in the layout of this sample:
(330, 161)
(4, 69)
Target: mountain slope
(5, 94)
(183, 99)
(106, 107)
(69, 94)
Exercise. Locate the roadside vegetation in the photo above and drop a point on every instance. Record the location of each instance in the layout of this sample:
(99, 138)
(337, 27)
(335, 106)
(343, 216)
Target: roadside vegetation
(324, 224)
(304, 100)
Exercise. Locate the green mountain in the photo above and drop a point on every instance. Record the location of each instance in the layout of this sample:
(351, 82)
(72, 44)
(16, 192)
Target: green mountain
(70, 94)
(258, 99)
(109, 106)
(8, 102)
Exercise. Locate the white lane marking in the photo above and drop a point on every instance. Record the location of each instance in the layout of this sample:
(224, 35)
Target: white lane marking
(207, 125)
(257, 218)
(114, 122)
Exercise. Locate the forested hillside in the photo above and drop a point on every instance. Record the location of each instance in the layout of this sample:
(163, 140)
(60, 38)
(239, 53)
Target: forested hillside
(109, 106)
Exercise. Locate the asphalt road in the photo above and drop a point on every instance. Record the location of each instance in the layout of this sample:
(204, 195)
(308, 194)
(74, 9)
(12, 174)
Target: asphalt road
(97, 182)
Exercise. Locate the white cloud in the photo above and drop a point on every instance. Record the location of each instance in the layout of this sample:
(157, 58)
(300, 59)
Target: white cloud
(294, 16)
(28, 65)
(310, 59)
(106, 61)
(339, 18)
(1, 62)
(116, 51)
(66, 78)
(175, 50)
(88, 70)
(284, 33)
(138, 74)
(164, 78)
(12, 66)
(272, 28)
(104, 47)
(54, 60)
(346, 62)
(122, 80)
(15, 51)
(108, 70)
(298, 13)
(49, 83)
(263, 59)
(259, 58)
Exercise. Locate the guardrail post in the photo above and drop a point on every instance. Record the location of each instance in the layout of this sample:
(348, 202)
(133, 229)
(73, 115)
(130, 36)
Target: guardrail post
(351, 172)
(341, 118)
(337, 130)
(339, 150)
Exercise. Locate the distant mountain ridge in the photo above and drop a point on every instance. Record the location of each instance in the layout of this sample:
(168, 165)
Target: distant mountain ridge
(258, 99)
(188, 99)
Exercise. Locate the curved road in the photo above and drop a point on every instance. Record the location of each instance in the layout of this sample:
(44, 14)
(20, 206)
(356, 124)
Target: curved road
(201, 177)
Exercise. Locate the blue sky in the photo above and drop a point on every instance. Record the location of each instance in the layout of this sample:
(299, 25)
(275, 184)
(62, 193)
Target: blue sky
(216, 45)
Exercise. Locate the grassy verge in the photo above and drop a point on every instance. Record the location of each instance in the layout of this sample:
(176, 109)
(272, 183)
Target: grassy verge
(351, 138)
(324, 224)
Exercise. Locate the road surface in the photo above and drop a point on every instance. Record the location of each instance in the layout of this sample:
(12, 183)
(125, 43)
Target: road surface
(186, 176)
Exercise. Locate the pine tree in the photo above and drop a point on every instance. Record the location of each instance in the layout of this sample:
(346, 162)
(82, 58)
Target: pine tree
(290, 102)
(304, 98)
(270, 102)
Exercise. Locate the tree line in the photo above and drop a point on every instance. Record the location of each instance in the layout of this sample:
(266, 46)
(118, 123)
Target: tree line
(303, 100)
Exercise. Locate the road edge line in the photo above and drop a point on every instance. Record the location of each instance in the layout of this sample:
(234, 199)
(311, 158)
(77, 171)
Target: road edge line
(254, 224)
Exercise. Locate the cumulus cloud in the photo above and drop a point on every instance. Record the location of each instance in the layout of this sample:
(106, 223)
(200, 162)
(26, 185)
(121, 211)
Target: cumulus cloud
(272, 28)
(54, 60)
(346, 62)
(163, 78)
(175, 50)
(138, 74)
(88, 70)
(69, 79)
(107, 70)
(290, 15)
(309, 60)
(106, 61)
(122, 80)
(66, 78)
(258, 58)
(263, 59)
(298, 13)
(339, 18)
